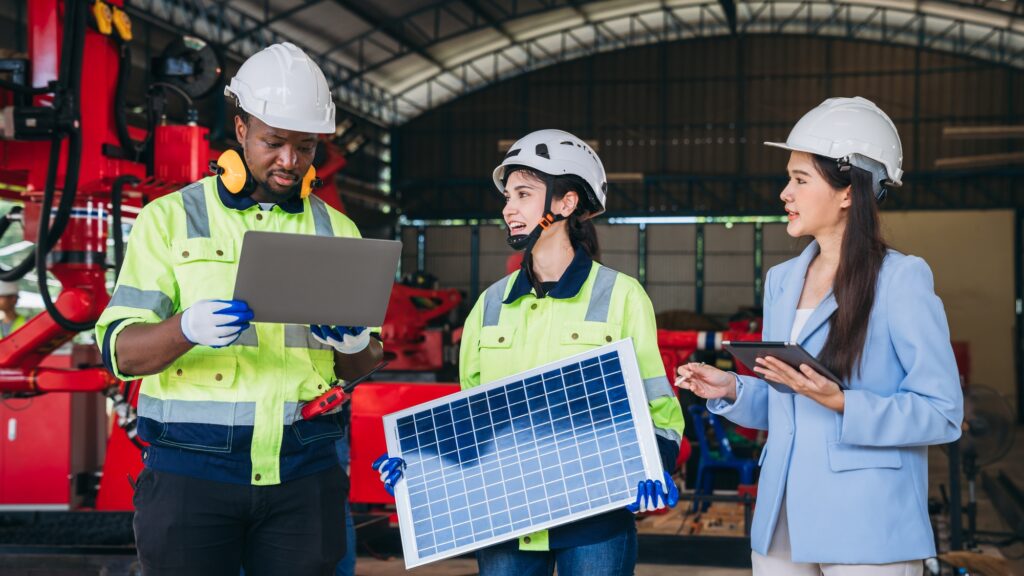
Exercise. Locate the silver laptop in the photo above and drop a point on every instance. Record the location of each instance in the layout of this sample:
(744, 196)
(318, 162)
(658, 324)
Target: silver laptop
(304, 279)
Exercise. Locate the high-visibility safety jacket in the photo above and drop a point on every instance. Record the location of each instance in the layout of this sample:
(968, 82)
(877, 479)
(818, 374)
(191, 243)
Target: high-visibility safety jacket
(229, 414)
(511, 330)
(7, 327)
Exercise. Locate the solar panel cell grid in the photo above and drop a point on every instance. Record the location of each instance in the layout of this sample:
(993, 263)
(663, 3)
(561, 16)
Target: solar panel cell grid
(503, 460)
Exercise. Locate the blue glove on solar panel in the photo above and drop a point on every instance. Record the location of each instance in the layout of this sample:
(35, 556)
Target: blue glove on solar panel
(344, 339)
(390, 471)
(215, 323)
(651, 495)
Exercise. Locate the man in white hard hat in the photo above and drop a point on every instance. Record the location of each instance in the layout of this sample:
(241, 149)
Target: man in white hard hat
(11, 320)
(234, 477)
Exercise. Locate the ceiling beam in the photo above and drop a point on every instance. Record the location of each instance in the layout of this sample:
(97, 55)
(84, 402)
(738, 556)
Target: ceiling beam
(390, 29)
(276, 18)
(729, 7)
(487, 17)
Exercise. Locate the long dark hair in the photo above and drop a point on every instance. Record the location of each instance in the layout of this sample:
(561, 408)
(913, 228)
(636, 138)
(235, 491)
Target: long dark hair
(580, 227)
(862, 253)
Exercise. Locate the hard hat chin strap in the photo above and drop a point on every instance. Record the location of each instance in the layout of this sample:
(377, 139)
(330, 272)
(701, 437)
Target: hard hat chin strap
(526, 242)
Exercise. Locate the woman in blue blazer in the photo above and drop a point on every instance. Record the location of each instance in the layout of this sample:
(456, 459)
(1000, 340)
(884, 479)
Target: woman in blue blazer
(844, 475)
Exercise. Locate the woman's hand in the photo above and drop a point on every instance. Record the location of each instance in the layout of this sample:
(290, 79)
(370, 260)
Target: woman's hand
(805, 381)
(706, 381)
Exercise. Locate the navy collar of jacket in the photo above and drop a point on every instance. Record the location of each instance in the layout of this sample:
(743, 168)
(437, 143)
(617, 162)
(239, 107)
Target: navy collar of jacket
(292, 205)
(568, 286)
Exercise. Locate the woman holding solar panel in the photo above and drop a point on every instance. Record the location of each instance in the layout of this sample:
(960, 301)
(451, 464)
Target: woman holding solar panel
(562, 302)
(844, 476)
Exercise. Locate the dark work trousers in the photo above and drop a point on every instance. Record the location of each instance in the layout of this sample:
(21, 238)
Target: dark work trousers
(191, 527)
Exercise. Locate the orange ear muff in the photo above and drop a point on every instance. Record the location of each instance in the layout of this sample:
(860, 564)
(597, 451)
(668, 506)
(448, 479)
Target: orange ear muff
(309, 183)
(234, 173)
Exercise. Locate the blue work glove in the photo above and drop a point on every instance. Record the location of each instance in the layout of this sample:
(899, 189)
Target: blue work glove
(651, 495)
(344, 339)
(215, 323)
(390, 471)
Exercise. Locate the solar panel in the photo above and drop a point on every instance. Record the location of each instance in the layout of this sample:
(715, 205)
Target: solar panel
(539, 449)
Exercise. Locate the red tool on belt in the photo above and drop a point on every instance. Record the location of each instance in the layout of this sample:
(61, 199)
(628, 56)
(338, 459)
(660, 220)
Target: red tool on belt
(335, 396)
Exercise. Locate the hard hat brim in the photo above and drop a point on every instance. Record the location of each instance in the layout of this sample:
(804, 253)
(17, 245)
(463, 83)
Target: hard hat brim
(786, 146)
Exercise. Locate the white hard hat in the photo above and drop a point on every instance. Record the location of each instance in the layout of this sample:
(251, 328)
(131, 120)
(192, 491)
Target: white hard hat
(558, 153)
(854, 130)
(9, 289)
(281, 86)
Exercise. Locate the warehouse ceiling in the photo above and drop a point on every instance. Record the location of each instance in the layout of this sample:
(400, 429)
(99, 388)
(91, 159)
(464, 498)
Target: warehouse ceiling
(391, 61)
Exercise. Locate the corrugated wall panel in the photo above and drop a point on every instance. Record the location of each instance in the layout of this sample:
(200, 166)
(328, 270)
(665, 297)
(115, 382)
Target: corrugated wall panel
(778, 246)
(728, 267)
(680, 109)
(672, 266)
(409, 250)
(448, 255)
(494, 252)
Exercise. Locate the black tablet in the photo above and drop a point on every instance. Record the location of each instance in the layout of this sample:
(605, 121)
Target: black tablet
(789, 352)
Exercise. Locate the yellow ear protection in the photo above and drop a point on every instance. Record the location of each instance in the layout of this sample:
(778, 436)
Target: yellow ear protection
(237, 179)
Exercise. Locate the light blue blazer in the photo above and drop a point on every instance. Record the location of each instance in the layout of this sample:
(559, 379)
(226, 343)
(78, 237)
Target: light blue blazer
(855, 484)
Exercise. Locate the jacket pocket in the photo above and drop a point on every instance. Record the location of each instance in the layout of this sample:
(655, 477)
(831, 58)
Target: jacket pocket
(497, 336)
(845, 457)
(202, 368)
(204, 268)
(589, 334)
(322, 428)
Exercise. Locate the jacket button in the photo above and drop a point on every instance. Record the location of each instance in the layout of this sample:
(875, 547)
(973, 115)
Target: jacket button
(259, 216)
(258, 477)
(533, 306)
(607, 338)
(178, 372)
(184, 254)
(218, 377)
(501, 339)
(319, 386)
(220, 252)
(575, 336)
(526, 540)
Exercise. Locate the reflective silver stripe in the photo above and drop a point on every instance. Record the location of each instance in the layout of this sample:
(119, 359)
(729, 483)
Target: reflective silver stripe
(657, 387)
(601, 295)
(196, 216)
(299, 336)
(492, 301)
(154, 301)
(321, 218)
(248, 337)
(668, 433)
(198, 412)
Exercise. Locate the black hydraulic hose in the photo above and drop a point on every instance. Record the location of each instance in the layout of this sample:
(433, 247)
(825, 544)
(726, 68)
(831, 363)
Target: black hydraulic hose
(5, 222)
(29, 263)
(184, 95)
(116, 231)
(136, 149)
(26, 90)
(65, 92)
(67, 109)
(70, 183)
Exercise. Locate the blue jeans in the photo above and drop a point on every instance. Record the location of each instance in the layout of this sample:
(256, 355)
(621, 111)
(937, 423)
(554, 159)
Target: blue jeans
(347, 565)
(613, 557)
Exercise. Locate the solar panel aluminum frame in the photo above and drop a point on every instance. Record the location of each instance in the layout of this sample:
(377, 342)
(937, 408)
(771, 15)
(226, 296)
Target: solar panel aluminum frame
(642, 423)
